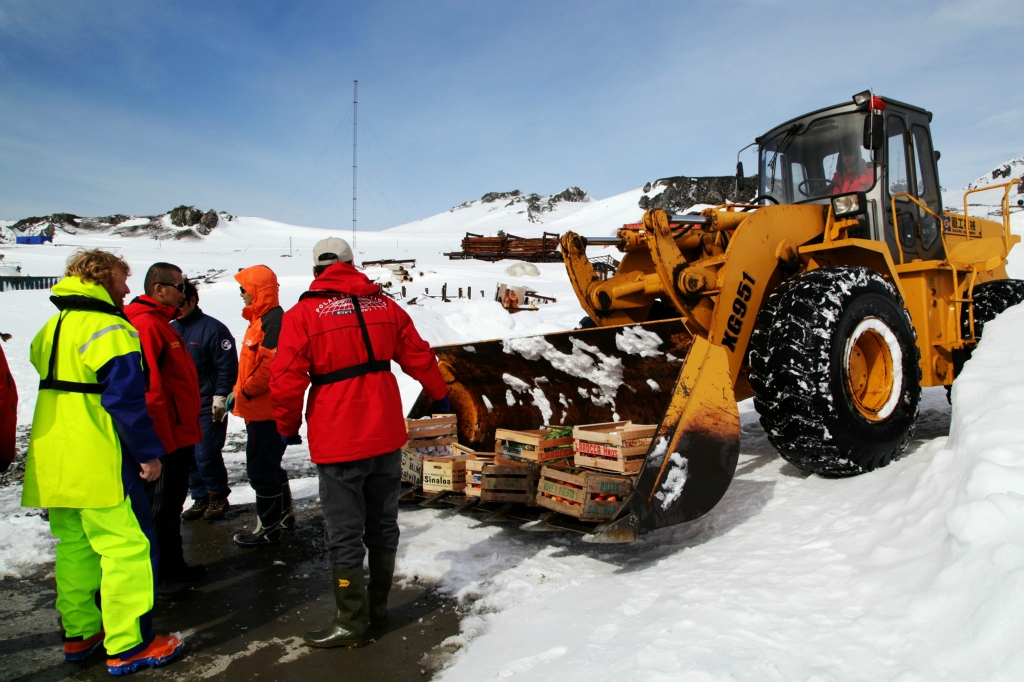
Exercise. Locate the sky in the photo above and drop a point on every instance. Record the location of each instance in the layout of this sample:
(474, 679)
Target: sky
(246, 107)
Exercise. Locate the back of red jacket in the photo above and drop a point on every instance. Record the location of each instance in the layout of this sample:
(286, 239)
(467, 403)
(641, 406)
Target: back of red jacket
(172, 391)
(8, 414)
(358, 417)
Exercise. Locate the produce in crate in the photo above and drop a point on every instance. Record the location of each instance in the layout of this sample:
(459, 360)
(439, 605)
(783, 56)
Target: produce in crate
(534, 445)
(586, 495)
(474, 467)
(619, 447)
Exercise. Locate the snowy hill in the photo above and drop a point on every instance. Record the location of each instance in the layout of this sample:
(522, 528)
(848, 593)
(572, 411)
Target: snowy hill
(987, 203)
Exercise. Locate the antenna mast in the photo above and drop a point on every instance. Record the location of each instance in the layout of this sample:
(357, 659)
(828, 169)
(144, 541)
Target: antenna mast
(355, 132)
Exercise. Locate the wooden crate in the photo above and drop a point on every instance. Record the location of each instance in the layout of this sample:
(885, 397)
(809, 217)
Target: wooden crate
(412, 466)
(506, 480)
(613, 446)
(459, 449)
(474, 468)
(586, 495)
(530, 446)
(438, 429)
(444, 473)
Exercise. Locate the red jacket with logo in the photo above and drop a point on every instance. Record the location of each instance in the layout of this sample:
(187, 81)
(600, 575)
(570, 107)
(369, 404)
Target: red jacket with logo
(358, 417)
(8, 413)
(853, 182)
(252, 388)
(172, 391)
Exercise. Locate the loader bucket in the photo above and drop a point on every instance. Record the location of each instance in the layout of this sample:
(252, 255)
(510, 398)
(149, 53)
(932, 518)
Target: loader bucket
(650, 373)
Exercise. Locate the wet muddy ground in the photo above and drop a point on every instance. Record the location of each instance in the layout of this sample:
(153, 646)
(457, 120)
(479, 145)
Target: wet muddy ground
(244, 621)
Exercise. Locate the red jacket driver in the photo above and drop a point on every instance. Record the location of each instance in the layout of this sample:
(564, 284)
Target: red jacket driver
(358, 417)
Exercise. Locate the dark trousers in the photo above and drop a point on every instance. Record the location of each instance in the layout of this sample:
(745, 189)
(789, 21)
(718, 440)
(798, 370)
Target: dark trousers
(208, 474)
(360, 507)
(167, 498)
(263, 452)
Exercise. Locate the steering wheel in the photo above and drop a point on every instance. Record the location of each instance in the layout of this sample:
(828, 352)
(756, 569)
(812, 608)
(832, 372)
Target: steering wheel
(825, 185)
(769, 197)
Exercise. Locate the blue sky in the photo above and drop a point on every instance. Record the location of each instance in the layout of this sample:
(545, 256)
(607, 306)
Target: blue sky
(136, 107)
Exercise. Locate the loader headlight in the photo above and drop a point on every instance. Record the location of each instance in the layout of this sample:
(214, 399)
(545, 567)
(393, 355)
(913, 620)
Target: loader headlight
(848, 205)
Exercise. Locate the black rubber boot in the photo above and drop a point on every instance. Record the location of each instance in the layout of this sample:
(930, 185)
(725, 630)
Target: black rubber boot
(268, 523)
(348, 629)
(382, 572)
(287, 517)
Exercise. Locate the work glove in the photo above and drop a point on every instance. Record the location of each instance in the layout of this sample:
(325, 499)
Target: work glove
(443, 406)
(230, 405)
(292, 440)
(220, 408)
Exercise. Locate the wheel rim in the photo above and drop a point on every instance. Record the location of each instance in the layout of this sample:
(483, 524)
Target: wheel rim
(873, 369)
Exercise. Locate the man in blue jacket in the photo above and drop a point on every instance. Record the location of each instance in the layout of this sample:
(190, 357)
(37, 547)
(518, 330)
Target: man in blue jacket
(213, 350)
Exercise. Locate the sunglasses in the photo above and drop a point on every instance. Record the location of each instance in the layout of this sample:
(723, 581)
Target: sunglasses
(179, 287)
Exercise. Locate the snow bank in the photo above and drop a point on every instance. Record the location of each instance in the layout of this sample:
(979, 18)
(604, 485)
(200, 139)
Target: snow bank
(912, 572)
(25, 540)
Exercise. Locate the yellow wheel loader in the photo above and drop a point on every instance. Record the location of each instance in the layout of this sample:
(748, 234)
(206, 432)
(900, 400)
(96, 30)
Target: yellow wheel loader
(831, 298)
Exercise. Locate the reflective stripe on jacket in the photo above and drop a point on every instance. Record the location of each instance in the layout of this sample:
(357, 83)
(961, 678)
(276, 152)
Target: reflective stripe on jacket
(75, 447)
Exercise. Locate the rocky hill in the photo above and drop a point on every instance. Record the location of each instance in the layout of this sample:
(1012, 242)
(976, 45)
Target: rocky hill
(182, 223)
(534, 205)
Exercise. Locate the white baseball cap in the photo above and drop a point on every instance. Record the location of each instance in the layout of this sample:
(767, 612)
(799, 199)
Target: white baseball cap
(331, 250)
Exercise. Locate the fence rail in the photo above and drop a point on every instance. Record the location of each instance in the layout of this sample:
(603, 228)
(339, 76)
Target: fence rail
(27, 283)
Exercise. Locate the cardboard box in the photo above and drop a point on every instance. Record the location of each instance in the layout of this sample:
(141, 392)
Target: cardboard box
(444, 473)
(586, 495)
(613, 446)
(412, 466)
(506, 480)
(438, 429)
(530, 445)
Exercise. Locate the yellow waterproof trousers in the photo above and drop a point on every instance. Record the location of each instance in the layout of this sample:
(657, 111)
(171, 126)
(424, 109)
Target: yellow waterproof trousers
(107, 551)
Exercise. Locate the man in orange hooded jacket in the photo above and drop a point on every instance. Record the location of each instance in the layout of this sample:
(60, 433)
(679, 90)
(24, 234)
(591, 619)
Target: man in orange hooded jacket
(264, 447)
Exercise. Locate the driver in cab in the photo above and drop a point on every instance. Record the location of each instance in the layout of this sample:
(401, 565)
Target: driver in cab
(853, 174)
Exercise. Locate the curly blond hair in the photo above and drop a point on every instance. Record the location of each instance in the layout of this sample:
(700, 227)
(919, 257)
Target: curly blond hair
(95, 265)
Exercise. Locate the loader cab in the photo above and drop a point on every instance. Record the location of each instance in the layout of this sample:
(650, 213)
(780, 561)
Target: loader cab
(873, 145)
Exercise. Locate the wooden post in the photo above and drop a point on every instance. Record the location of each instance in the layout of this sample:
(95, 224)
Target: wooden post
(460, 292)
(426, 291)
(444, 292)
(403, 291)
(469, 292)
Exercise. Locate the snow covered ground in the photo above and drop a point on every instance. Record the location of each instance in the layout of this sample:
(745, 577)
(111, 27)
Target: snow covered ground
(913, 572)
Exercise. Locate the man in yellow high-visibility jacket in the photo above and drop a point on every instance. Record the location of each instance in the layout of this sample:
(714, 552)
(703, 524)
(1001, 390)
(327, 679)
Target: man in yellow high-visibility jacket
(92, 445)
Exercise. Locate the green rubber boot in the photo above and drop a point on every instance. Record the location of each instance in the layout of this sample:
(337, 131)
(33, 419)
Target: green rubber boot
(382, 572)
(348, 629)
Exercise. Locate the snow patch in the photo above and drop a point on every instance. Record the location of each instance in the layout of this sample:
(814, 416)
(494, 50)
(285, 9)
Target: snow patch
(675, 479)
(639, 341)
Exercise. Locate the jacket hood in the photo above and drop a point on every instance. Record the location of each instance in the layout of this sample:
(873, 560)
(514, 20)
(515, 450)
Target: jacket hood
(260, 282)
(343, 277)
(142, 305)
(74, 286)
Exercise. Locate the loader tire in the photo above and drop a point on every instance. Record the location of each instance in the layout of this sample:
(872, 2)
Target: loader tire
(834, 369)
(990, 299)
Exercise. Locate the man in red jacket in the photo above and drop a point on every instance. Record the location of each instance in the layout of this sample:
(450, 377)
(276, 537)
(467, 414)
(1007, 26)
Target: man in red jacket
(341, 337)
(172, 397)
